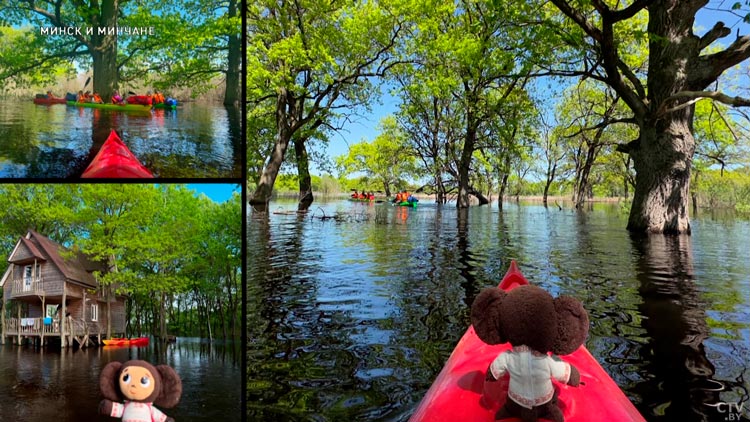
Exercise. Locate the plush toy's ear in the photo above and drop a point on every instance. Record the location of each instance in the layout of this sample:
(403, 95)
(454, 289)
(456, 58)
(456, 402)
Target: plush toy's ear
(485, 316)
(572, 325)
(171, 387)
(108, 381)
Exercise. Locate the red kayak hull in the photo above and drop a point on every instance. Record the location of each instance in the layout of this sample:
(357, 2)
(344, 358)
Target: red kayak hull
(49, 101)
(460, 392)
(114, 160)
(140, 341)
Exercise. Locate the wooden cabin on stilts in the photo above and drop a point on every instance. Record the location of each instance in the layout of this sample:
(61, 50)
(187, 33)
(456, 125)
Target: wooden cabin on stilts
(50, 293)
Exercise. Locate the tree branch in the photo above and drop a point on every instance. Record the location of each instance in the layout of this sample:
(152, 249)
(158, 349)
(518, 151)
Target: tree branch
(718, 31)
(694, 96)
(710, 67)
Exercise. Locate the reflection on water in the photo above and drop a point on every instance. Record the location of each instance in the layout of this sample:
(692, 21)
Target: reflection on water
(59, 141)
(352, 320)
(46, 385)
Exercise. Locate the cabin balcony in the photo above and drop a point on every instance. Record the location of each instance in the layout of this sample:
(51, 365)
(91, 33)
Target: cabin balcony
(37, 329)
(33, 327)
(32, 286)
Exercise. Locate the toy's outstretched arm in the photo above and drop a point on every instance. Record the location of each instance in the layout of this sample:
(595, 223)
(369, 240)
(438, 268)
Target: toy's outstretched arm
(575, 376)
(110, 408)
(159, 416)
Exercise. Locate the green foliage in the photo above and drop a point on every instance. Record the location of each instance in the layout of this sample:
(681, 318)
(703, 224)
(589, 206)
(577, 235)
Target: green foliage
(724, 189)
(23, 62)
(386, 160)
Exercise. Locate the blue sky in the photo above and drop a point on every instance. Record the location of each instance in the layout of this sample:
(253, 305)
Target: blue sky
(364, 126)
(218, 192)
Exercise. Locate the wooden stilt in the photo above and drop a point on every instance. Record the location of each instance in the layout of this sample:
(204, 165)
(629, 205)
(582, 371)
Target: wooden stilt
(63, 318)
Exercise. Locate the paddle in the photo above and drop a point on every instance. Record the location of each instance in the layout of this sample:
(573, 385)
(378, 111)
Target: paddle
(87, 83)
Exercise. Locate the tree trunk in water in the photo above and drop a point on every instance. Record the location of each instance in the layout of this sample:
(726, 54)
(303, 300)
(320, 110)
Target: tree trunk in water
(694, 194)
(262, 194)
(582, 189)
(440, 197)
(482, 199)
(234, 58)
(163, 318)
(546, 193)
(465, 164)
(503, 188)
(662, 161)
(104, 49)
(303, 174)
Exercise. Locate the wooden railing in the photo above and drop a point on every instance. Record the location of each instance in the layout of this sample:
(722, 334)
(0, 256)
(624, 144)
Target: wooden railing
(28, 286)
(36, 326)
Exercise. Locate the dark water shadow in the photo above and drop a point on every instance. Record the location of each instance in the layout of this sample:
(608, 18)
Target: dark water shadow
(681, 384)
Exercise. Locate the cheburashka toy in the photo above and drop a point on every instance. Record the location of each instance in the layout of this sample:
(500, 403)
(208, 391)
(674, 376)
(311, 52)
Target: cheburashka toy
(141, 386)
(535, 324)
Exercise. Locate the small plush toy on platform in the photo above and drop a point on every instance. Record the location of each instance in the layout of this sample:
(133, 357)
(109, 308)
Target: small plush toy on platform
(535, 324)
(141, 385)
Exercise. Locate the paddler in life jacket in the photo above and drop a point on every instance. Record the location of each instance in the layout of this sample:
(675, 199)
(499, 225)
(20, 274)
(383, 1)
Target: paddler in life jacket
(81, 98)
(355, 195)
(361, 195)
(397, 199)
(116, 97)
(371, 196)
(157, 98)
(96, 98)
(50, 95)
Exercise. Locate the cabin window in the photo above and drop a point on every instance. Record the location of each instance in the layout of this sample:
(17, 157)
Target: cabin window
(94, 312)
(28, 276)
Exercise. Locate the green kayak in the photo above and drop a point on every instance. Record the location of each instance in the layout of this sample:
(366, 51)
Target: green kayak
(118, 107)
(406, 204)
(166, 106)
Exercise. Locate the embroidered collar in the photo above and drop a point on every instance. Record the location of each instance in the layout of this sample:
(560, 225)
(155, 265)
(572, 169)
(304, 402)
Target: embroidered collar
(526, 349)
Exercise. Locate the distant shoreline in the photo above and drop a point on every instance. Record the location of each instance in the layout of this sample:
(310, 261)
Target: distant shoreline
(425, 197)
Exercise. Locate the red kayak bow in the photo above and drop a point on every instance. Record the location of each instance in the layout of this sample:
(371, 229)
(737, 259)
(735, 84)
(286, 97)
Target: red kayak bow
(114, 160)
(460, 392)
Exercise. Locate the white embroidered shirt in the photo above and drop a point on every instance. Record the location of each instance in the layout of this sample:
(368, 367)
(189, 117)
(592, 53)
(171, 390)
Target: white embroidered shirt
(137, 412)
(531, 375)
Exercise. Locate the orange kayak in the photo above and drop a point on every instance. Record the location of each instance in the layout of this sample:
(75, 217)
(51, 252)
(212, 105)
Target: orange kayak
(460, 393)
(139, 341)
(114, 160)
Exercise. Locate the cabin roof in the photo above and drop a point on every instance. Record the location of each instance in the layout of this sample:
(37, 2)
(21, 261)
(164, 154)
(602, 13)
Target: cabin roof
(33, 249)
(75, 268)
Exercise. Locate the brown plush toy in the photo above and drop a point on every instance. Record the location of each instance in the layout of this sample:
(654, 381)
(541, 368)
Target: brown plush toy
(535, 324)
(141, 385)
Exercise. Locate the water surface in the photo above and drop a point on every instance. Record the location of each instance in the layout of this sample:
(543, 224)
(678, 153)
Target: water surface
(58, 141)
(352, 319)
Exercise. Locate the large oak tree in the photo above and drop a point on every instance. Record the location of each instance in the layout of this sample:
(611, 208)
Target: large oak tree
(680, 72)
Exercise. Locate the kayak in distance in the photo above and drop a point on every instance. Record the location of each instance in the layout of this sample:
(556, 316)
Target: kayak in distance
(115, 160)
(117, 107)
(166, 106)
(139, 341)
(460, 392)
(412, 204)
(49, 101)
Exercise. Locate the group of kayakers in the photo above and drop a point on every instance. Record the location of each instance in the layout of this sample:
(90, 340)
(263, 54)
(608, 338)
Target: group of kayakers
(87, 97)
(363, 195)
(404, 196)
